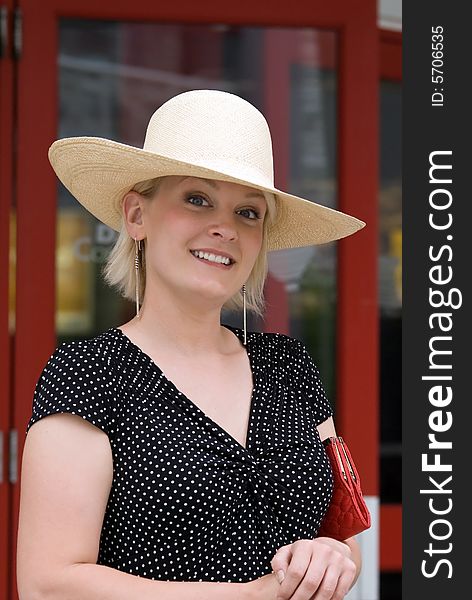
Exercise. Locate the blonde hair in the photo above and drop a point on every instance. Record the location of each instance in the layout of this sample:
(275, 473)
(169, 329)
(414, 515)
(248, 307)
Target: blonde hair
(119, 272)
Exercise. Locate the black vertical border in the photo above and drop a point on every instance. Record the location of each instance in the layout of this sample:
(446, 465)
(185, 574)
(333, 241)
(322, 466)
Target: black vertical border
(429, 128)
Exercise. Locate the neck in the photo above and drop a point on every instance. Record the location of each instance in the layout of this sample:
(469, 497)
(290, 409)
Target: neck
(188, 325)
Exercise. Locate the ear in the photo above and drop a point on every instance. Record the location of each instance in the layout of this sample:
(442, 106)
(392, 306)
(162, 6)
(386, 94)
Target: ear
(133, 207)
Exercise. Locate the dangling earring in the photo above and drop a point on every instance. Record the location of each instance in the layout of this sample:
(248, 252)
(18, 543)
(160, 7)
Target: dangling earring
(244, 312)
(137, 245)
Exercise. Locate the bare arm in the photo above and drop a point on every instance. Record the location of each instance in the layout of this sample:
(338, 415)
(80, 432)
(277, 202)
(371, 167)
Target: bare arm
(98, 582)
(66, 477)
(327, 429)
(355, 556)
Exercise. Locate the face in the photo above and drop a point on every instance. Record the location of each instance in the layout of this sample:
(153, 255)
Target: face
(190, 214)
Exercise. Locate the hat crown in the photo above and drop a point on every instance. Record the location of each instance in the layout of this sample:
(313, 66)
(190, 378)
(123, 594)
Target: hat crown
(215, 130)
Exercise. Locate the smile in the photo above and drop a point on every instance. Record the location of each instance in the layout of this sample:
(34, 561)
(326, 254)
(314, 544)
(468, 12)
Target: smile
(211, 259)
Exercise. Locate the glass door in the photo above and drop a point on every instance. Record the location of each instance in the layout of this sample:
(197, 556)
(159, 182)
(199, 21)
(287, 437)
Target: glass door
(101, 69)
(112, 77)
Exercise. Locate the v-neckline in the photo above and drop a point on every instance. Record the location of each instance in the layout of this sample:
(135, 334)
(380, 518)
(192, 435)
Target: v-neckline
(170, 384)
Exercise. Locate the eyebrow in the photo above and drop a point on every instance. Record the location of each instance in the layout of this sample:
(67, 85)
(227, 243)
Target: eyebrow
(215, 186)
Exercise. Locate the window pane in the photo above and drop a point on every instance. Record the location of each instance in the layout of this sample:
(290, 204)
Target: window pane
(113, 75)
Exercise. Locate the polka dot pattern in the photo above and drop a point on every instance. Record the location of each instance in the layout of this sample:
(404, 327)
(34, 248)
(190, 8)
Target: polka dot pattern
(188, 502)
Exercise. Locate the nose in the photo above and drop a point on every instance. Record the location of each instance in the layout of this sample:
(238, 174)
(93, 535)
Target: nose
(224, 229)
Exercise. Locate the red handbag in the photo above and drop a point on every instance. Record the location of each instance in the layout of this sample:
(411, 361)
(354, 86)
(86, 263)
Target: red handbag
(347, 514)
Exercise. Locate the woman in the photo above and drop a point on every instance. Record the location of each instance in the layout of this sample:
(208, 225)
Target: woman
(190, 463)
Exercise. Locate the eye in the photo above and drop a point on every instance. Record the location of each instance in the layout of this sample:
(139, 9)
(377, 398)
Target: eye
(191, 197)
(255, 212)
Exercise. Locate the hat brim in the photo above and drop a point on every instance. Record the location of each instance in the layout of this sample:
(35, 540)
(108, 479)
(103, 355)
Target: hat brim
(99, 172)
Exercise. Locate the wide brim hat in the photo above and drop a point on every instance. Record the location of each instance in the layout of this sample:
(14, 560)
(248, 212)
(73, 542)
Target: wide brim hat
(209, 134)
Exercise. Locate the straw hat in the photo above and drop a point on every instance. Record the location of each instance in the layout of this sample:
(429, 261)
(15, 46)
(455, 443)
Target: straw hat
(202, 133)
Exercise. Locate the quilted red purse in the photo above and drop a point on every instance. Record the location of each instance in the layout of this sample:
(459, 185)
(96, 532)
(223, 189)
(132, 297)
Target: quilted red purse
(347, 514)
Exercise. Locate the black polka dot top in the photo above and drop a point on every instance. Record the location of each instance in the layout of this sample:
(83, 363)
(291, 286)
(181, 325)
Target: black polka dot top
(188, 502)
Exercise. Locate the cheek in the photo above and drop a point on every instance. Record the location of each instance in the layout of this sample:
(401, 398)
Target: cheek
(255, 241)
(170, 227)
(252, 244)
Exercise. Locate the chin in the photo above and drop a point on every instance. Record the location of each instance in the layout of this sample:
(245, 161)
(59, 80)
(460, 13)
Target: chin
(208, 290)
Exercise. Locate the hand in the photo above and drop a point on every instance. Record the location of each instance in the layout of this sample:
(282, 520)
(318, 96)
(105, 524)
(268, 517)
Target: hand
(263, 588)
(319, 569)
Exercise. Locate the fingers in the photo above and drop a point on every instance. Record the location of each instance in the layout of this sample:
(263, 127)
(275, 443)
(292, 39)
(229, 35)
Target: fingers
(300, 561)
(345, 581)
(311, 583)
(316, 573)
(319, 583)
(281, 561)
(336, 582)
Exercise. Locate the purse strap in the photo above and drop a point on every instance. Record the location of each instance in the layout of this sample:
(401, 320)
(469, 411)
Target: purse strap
(345, 462)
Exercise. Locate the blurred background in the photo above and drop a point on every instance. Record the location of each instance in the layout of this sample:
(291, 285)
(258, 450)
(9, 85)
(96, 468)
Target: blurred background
(328, 80)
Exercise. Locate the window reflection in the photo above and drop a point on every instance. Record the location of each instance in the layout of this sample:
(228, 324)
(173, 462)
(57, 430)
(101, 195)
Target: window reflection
(114, 75)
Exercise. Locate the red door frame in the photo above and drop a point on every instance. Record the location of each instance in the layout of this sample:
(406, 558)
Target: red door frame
(6, 194)
(358, 186)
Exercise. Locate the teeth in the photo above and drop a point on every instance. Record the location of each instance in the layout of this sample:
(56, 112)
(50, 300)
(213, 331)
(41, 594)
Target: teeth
(211, 257)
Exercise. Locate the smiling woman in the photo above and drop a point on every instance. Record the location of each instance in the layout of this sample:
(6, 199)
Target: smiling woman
(191, 451)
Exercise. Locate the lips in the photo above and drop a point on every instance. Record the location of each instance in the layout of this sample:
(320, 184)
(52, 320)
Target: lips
(215, 252)
(214, 261)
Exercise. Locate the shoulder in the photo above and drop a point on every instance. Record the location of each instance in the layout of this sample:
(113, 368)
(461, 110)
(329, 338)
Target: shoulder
(81, 357)
(290, 358)
(288, 354)
(100, 346)
(78, 378)
(281, 347)
(281, 341)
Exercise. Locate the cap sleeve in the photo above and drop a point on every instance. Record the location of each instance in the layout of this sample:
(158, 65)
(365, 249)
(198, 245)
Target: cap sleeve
(310, 384)
(76, 380)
